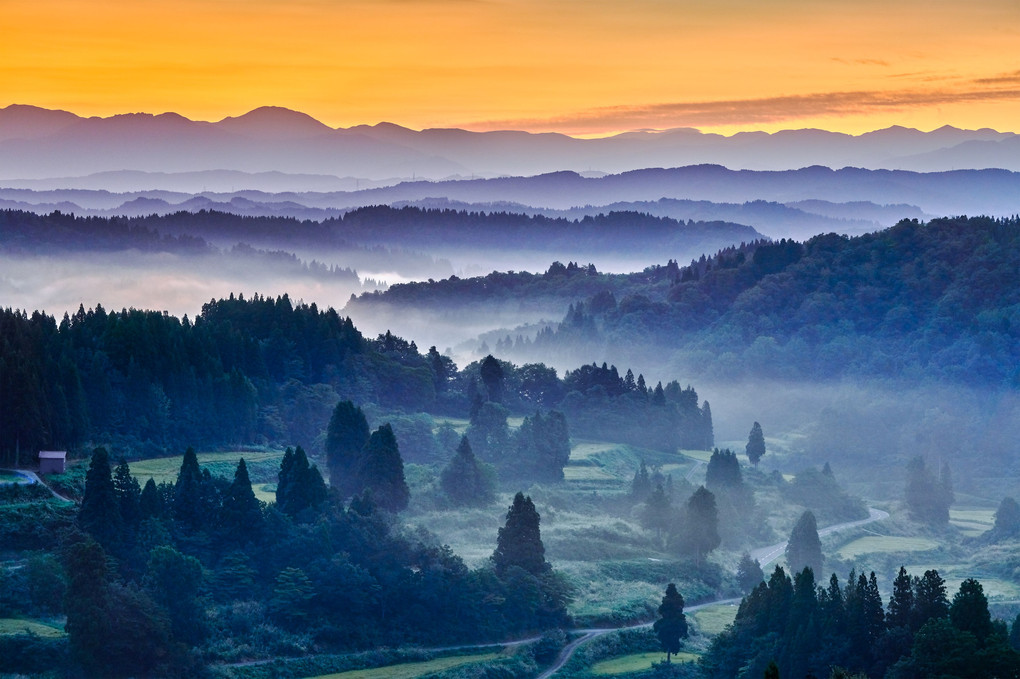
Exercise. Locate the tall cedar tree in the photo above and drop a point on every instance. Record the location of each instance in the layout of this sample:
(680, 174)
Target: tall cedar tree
(300, 486)
(930, 601)
(382, 471)
(240, 519)
(755, 448)
(805, 548)
(969, 610)
(99, 515)
(189, 511)
(749, 573)
(128, 496)
(657, 512)
(467, 481)
(346, 437)
(492, 376)
(519, 542)
(901, 603)
(698, 532)
(671, 626)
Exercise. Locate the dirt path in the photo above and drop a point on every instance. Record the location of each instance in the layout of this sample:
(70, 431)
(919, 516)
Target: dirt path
(34, 478)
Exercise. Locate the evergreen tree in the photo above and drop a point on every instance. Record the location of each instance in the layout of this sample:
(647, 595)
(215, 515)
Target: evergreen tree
(969, 610)
(657, 512)
(189, 494)
(1007, 520)
(492, 376)
(300, 486)
(174, 580)
(519, 541)
(805, 548)
(466, 480)
(1014, 633)
(901, 603)
(749, 573)
(382, 470)
(128, 497)
(723, 471)
(346, 437)
(930, 600)
(755, 448)
(641, 486)
(698, 530)
(99, 515)
(150, 502)
(707, 428)
(240, 517)
(671, 626)
(928, 499)
(658, 396)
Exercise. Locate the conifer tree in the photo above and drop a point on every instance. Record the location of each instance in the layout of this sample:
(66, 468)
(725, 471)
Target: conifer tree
(128, 496)
(901, 603)
(240, 518)
(382, 470)
(969, 610)
(671, 626)
(698, 531)
(492, 376)
(749, 573)
(755, 448)
(641, 486)
(150, 502)
(300, 486)
(346, 437)
(930, 600)
(189, 498)
(657, 512)
(804, 547)
(519, 541)
(99, 515)
(467, 481)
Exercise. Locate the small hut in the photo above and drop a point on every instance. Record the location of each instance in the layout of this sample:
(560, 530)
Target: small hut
(52, 461)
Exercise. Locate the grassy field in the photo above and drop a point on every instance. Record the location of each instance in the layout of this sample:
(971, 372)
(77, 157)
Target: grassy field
(714, 619)
(19, 626)
(263, 468)
(637, 662)
(954, 574)
(972, 521)
(883, 544)
(411, 670)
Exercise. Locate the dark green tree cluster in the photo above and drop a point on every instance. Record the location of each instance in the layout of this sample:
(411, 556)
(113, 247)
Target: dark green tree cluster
(804, 549)
(739, 518)
(810, 630)
(936, 301)
(696, 530)
(466, 480)
(623, 409)
(928, 499)
(540, 449)
(819, 491)
(359, 461)
(341, 574)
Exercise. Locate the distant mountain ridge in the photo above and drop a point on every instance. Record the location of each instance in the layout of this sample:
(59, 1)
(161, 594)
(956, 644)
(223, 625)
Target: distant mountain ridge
(38, 143)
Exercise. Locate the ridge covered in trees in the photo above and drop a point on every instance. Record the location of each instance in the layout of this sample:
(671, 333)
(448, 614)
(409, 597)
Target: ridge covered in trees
(923, 301)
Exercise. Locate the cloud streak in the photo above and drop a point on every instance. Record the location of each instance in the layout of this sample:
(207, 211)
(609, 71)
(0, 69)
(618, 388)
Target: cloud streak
(766, 110)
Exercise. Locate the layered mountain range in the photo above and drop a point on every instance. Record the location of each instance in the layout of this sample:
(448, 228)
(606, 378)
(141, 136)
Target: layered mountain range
(41, 144)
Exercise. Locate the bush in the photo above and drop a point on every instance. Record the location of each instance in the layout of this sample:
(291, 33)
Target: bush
(32, 654)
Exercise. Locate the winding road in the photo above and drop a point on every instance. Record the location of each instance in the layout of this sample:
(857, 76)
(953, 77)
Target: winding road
(764, 555)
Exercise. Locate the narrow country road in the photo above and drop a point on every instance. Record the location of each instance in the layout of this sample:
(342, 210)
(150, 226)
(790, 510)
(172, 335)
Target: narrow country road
(764, 555)
(34, 478)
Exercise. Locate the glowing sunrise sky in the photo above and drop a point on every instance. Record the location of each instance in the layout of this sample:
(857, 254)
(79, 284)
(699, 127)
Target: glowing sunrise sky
(577, 66)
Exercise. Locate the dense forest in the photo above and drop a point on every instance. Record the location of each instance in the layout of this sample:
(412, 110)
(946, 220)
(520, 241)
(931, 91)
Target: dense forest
(260, 370)
(935, 301)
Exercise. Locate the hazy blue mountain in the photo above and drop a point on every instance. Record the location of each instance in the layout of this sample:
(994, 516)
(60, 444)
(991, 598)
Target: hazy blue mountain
(38, 143)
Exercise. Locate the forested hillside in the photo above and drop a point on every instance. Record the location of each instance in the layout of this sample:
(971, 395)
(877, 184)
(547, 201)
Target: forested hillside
(919, 301)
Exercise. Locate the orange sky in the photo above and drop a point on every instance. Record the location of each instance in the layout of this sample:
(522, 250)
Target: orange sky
(577, 66)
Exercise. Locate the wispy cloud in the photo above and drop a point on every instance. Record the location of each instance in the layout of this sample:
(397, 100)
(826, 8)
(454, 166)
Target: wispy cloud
(764, 110)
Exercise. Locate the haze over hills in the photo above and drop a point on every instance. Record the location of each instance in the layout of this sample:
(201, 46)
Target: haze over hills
(793, 203)
(37, 143)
